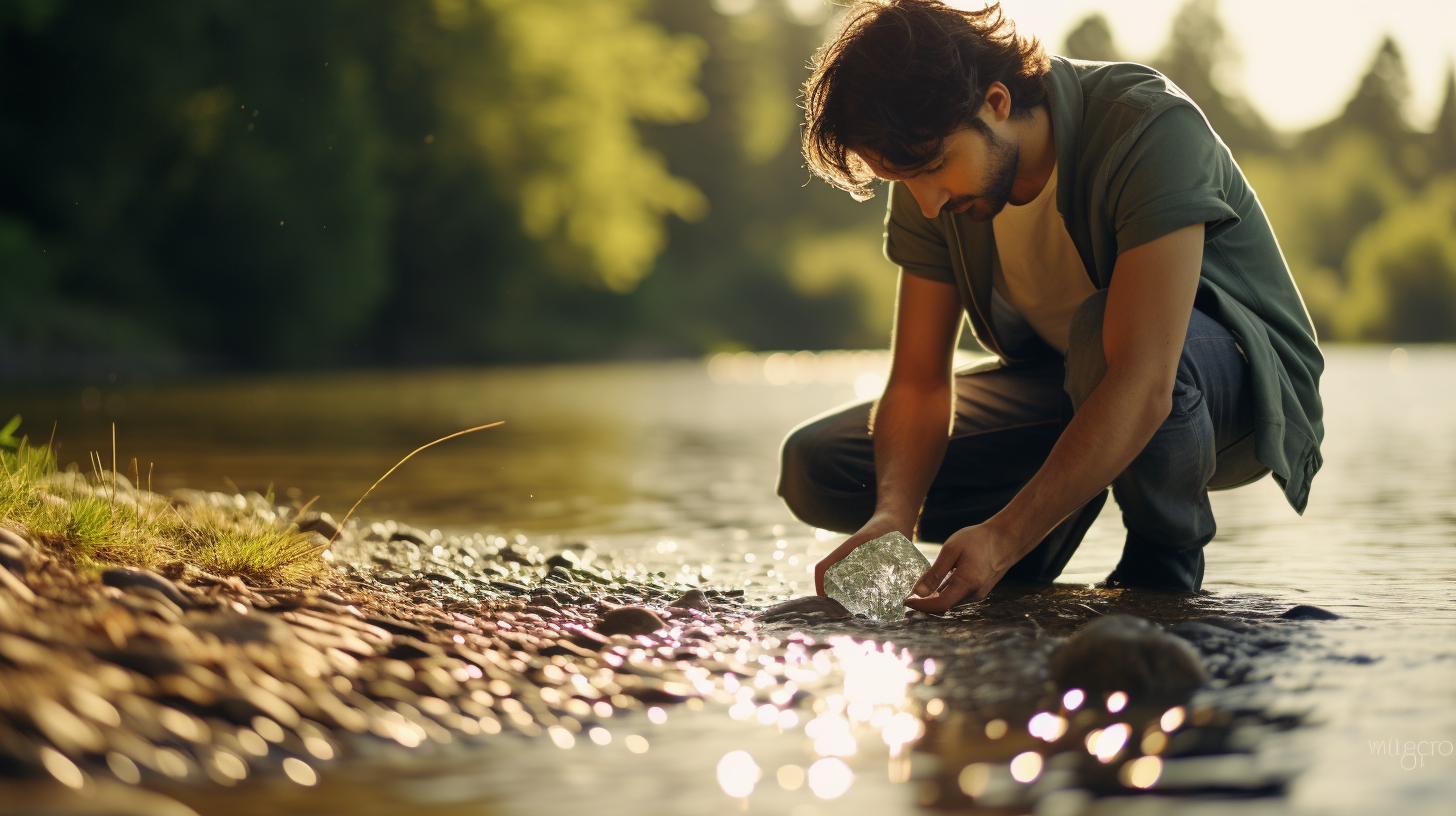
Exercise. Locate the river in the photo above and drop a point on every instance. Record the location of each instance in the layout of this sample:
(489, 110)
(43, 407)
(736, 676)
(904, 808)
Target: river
(673, 464)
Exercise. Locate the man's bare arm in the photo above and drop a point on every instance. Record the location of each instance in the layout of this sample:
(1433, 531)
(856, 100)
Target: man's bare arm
(912, 419)
(1149, 304)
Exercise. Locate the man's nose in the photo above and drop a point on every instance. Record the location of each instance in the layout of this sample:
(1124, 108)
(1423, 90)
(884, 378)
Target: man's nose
(930, 198)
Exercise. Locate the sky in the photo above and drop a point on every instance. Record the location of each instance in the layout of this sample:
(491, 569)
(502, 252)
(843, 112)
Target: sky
(1301, 60)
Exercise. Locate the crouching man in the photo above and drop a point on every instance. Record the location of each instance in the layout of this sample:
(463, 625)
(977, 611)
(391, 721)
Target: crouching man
(1108, 251)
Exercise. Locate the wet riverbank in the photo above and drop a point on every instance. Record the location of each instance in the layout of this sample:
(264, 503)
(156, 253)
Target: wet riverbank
(671, 466)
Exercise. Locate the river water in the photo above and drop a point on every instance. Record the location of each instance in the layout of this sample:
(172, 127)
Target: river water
(673, 464)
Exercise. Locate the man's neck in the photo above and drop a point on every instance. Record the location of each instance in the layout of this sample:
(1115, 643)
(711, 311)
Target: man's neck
(1037, 155)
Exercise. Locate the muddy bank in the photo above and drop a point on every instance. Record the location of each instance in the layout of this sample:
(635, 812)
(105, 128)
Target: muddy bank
(134, 677)
(419, 645)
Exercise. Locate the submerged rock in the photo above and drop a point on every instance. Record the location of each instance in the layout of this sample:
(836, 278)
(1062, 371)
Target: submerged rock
(808, 606)
(1308, 612)
(1128, 654)
(630, 621)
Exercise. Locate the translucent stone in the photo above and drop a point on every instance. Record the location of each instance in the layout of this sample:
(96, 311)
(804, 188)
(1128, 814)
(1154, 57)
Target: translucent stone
(877, 577)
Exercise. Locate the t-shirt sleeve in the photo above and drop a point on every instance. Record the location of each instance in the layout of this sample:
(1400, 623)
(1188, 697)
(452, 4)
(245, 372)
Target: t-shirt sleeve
(912, 241)
(1175, 174)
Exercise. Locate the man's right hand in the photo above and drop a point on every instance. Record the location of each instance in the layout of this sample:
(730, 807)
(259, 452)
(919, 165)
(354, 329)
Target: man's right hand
(877, 526)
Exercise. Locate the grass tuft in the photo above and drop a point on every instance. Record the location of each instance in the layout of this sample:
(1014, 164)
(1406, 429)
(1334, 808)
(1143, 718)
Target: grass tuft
(104, 521)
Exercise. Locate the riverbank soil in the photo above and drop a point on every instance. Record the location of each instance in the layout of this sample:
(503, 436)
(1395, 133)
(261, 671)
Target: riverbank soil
(407, 644)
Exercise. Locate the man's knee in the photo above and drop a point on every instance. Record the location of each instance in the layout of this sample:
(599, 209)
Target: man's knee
(1086, 361)
(817, 479)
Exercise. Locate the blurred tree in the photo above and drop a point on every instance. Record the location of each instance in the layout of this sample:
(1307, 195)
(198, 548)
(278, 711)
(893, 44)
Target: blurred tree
(271, 183)
(1200, 58)
(189, 197)
(1403, 272)
(479, 139)
(1319, 204)
(1443, 138)
(733, 277)
(1378, 108)
(558, 125)
(1092, 40)
(408, 181)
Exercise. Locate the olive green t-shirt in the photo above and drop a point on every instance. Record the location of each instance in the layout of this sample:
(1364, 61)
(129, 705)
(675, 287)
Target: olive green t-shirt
(1137, 160)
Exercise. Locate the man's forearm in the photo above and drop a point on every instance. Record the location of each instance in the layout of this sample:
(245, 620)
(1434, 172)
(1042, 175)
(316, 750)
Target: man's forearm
(911, 428)
(1107, 433)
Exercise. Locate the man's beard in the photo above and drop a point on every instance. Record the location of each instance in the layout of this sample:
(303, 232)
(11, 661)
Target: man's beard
(1002, 156)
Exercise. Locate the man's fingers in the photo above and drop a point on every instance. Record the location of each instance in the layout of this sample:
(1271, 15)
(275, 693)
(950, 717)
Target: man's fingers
(935, 576)
(833, 558)
(960, 582)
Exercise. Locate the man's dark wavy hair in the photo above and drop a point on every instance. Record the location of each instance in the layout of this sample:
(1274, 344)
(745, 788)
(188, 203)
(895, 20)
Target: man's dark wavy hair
(901, 75)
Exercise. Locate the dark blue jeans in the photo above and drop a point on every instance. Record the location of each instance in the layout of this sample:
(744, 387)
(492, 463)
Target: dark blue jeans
(1006, 422)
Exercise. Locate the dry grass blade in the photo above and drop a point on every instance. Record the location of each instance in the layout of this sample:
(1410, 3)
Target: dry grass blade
(396, 467)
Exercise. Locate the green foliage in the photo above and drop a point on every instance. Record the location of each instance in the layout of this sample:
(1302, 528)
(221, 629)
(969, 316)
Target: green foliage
(1402, 272)
(557, 125)
(8, 441)
(284, 184)
(1318, 203)
(425, 181)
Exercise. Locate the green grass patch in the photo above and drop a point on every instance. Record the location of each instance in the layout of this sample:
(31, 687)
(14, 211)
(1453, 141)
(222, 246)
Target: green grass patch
(103, 521)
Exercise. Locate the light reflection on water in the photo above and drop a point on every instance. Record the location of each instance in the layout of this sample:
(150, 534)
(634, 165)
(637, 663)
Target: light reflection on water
(674, 464)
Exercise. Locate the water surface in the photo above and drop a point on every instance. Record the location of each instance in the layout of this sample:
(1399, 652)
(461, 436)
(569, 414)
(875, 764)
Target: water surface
(674, 464)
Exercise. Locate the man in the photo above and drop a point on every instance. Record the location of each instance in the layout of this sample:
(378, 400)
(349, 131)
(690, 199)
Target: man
(1110, 254)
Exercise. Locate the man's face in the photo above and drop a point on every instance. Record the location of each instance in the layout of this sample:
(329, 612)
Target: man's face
(973, 175)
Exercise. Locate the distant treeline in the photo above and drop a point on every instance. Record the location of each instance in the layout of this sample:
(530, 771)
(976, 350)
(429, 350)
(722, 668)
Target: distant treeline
(1364, 205)
(274, 184)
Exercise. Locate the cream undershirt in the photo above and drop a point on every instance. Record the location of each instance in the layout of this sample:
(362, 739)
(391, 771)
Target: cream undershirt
(1039, 273)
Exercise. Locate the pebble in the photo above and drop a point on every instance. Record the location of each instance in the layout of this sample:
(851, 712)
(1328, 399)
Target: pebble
(129, 577)
(587, 639)
(11, 558)
(397, 627)
(148, 658)
(16, 540)
(562, 560)
(507, 586)
(321, 523)
(825, 608)
(692, 599)
(406, 648)
(266, 671)
(410, 534)
(631, 621)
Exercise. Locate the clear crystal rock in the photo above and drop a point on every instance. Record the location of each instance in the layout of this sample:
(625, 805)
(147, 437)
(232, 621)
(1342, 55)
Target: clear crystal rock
(877, 577)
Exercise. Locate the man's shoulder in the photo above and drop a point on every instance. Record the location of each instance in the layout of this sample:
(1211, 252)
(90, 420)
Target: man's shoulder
(1109, 106)
(1126, 84)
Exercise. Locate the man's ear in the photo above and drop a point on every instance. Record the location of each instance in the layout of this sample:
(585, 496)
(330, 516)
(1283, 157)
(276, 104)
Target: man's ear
(998, 100)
